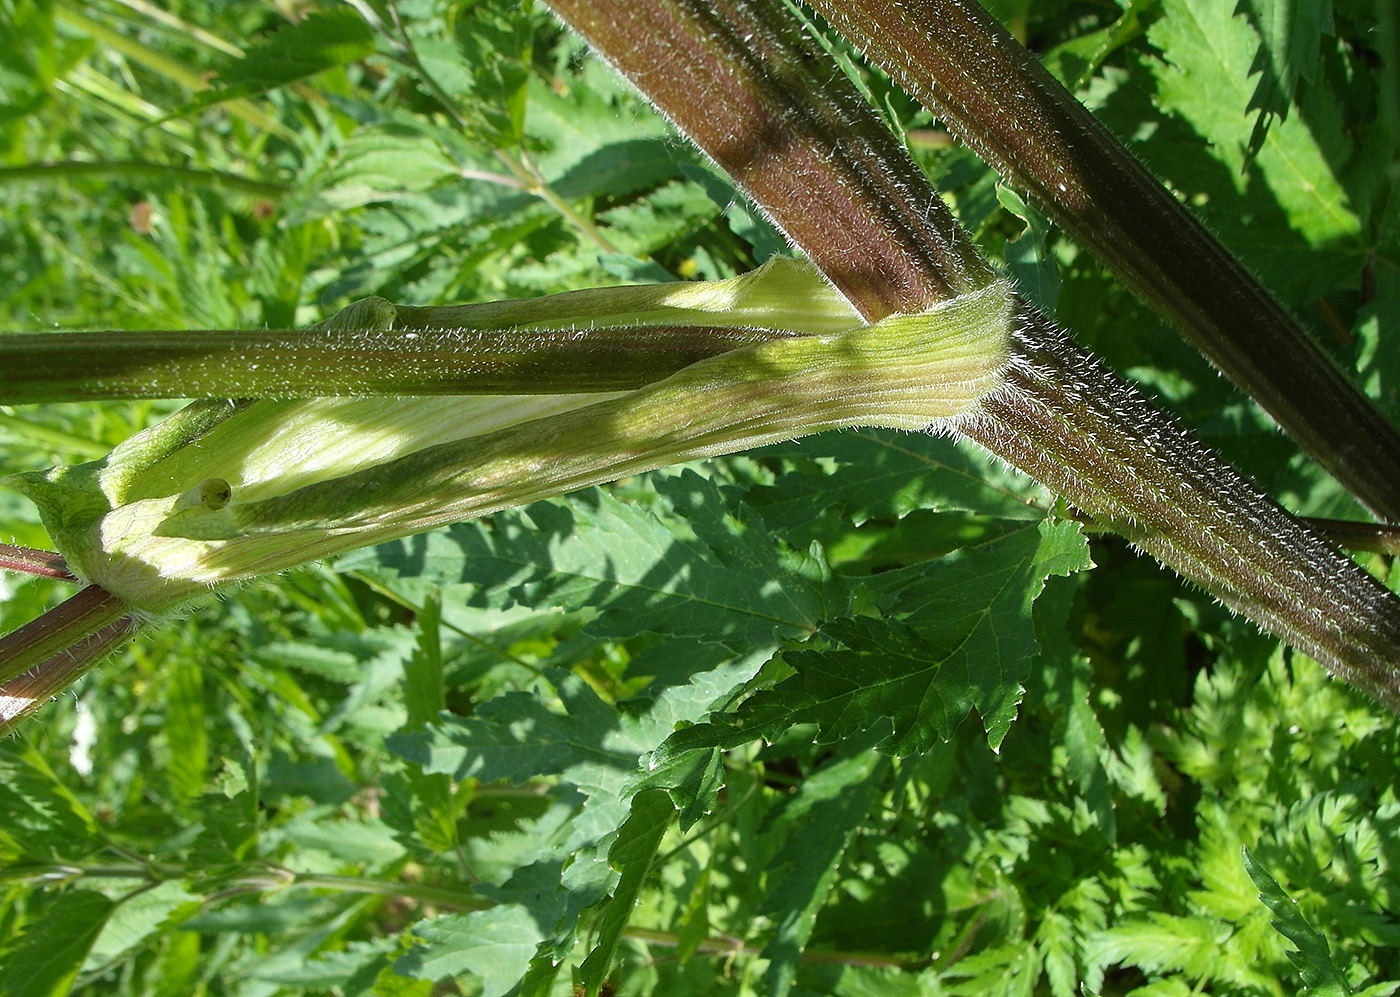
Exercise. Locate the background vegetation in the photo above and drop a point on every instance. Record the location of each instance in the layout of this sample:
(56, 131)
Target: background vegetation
(268, 798)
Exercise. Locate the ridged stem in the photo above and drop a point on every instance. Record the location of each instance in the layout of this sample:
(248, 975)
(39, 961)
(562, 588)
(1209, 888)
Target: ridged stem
(1061, 417)
(312, 363)
(958, 61)
(47, 655)
(38, 643)
(26, 560)
(1077, 428)
(738, 81)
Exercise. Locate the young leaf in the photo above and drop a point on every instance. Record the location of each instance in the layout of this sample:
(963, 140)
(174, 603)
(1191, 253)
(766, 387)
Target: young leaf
(53, 946)
(820, 819)
(631, 854)
(1321, 975)
(493, 945)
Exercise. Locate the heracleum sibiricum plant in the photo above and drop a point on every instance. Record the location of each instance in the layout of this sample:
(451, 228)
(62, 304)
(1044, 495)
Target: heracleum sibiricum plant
(227, 491)
(530, 816)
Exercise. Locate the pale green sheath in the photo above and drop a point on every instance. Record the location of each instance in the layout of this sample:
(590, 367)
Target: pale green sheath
(224, 491)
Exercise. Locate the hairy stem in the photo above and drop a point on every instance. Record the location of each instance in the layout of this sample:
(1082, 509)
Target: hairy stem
(49, 654)
(954, 57)
(741, 81)
(34, 562)
(94, 366)
(1076, 427)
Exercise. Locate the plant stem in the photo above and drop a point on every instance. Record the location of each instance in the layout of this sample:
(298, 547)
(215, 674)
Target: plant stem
(1359, 536)
(1076, 427)
(739, 78)
(216, 179)
(34, 562)
(738, 81)
(50, 653)
(90, 366)
(39, 643)
(454, 897)
(953, 56)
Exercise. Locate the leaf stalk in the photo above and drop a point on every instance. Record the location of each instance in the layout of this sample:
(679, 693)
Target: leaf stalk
(955, 58)
(728, 79)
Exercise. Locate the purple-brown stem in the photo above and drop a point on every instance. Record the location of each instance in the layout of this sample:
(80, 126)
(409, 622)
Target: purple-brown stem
(741, 79)
(44, 563)
(959, 62)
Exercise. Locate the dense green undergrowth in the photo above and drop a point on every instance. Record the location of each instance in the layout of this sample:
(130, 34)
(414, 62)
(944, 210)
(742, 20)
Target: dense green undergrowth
(851, 716)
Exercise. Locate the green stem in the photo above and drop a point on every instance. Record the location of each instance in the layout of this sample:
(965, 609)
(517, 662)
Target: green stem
(293, 363)
(602, 339)
(216, 179)
(457, 898)
(1367, 537)
(954, 57)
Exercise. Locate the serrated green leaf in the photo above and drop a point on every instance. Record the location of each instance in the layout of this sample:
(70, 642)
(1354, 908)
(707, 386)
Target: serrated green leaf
(1162, 943)
(880, 474)
(1055, 939)
(1068, 680)
(137, 917)
(185, 733)
(47, 956)
(1313, 956)
(334, 968)
(967, 643)
(321, 40)
(821, 818)
(434, 805)
(733, 584)
(494, 945)
(631, 855)
(1004, 971)
(1291, 33)
(1210, 50)
(39, 816)
(593, 749)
